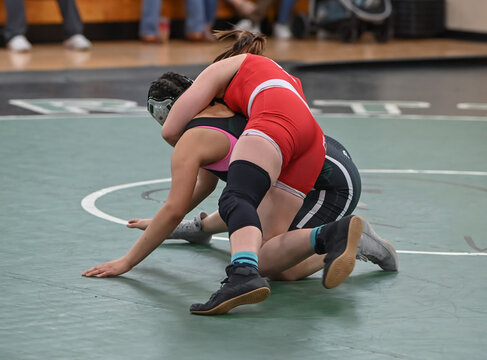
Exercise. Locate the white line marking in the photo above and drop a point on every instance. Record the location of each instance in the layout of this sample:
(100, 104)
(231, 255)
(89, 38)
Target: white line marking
(88, 202)
(29, 106)
(73, 116)
(316, 112)
(400, 117)
(68, 106)
(441, 253)
(429, 172)
(472, 106)
(406, 104)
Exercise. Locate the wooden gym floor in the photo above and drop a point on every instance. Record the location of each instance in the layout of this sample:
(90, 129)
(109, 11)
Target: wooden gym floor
(179, 52)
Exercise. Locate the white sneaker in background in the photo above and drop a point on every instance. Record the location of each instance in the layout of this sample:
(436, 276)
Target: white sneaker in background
(246, 24)
(244, 8)
(282, 31)
(19, 44)
(77, 42)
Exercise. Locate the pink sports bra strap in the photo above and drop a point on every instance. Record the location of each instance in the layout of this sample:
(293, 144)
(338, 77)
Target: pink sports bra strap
(222, 165)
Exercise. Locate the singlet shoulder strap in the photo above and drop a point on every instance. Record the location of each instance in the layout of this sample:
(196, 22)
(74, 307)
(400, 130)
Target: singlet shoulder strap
(234, 125)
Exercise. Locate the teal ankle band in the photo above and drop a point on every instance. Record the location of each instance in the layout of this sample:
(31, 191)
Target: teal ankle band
(245, 257)
(312, 236)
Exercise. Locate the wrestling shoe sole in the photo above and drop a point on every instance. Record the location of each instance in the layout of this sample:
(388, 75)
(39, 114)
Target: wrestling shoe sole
(252, 297)
(343, 265)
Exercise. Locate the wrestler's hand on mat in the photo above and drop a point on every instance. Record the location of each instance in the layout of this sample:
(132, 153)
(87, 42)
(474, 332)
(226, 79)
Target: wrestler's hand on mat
(139, 223)
(111, 268)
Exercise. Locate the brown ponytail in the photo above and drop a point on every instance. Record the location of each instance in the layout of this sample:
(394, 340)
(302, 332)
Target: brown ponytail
(246, 42)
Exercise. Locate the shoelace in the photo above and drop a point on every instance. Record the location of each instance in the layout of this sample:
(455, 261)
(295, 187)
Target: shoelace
(215, 294)
(365, 258)
(361, 257)
(188, 226)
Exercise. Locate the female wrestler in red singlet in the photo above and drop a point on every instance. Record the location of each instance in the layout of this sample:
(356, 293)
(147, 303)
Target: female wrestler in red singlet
(275, 105)
(280, 146)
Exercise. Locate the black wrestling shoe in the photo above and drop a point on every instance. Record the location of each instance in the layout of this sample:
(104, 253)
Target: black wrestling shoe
(339, 241)
(243, 286)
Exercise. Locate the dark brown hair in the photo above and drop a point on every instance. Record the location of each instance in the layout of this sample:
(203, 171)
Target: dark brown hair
(170, 84)
(246, 42)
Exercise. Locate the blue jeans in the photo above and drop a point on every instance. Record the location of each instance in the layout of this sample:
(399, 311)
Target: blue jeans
(285, 11)
(17, 24)
(149, 21)
(199, 14)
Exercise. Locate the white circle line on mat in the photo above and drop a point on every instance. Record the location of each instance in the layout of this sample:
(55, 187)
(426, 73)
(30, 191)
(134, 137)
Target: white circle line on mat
(89, 202)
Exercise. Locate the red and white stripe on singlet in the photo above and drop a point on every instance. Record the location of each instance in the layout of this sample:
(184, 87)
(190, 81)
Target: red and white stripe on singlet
(256, 74)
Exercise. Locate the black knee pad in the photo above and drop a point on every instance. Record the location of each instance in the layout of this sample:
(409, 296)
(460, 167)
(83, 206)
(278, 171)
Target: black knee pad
(247, 185)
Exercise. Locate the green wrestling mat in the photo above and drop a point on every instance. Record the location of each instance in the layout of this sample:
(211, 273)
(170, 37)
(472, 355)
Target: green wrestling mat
(434, 308)
(74, 167)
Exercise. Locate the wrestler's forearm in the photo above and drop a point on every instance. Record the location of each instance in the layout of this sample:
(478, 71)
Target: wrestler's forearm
(160, 227)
